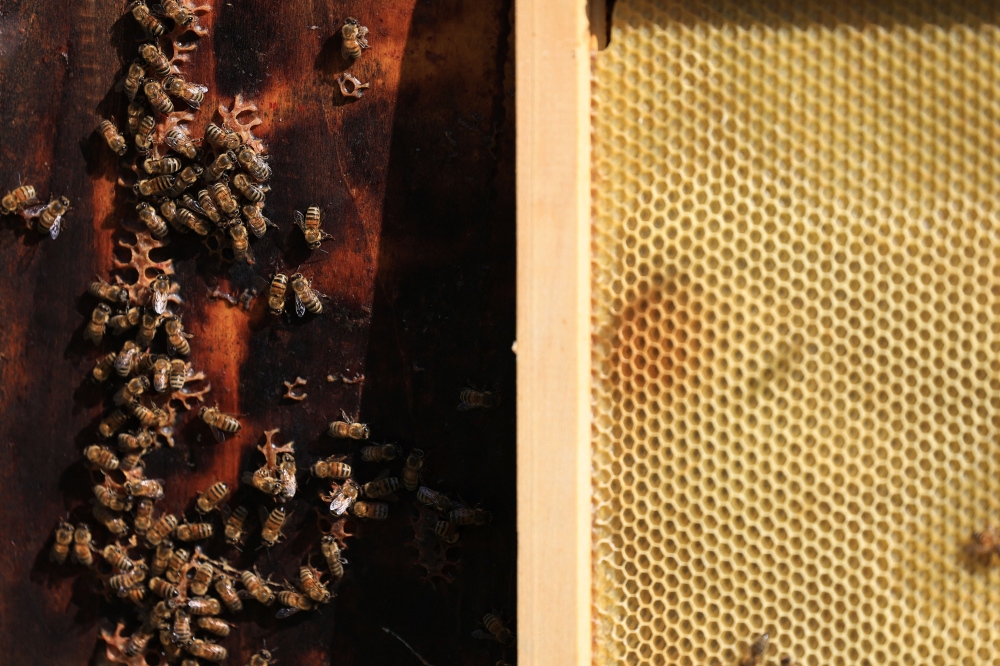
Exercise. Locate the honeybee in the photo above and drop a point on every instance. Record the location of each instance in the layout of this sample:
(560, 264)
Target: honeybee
(433, 498)
(136, 594)
(224, 162)
(204, 606)
(131, 391)
(176, 337)
(331, 552)
(126, 358)
(310, 227)
(286, 474)
(103, 369)
(62, 543)
(380, 452)
(176, 562)
(234, 525)
(132, 442)
(331, 468)
(256, 588)
(473, 399)
(495, 630)
(380, 487)
(984, 544)
(171, 651)
(342, 496)
(293, 603)
(159, 615)
(256, 221)
(219, 423)
(205, 649)
(186, 178)
(157, 98)
(120, 583)
(109, 292)
(161, 290)
(161, 556)
(788, 661)
(50, 216)
(181, 633)
(157, 61)
(143, 515)
(142, 14)
(756, 651)
(222, 138)
(261, 658)
(176, 11)
(151, 488)
(227, 592)
(154, 186)
(147, 417)
(466, 516)
(224, 198)
(446, 531)
(370, 510)
(306, 298)
(192, 222)
(161, 374)
(211, 498)
(136, 73)
(240, 243)
(250, 190)
(207, 206)
(101, 456)
(411, 471)
(111, 423)
(254, 164)
(144, 361)
(138, 641)
(347, 429)
(135, 113)
(163, 589)
(194, 531)
(263, 481)
(312, 585)
(276, 294)
(121, 323)
(83, 546)
(116, 142)
(180, 141)
(159, 532)
(203, 577)
(94, 331)
(178, 374)
(144, 134)
(158, 167)
(214, 625)
(270, 532)
(192, 93)
(110, 498)
(355, 38)
(112, 522)
(16, 200)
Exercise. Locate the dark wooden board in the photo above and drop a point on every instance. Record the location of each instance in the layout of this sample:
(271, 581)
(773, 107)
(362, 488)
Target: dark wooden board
(416, 180)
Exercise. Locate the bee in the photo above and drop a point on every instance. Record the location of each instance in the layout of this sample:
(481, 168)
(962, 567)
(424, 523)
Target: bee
(142, 14)
(101, 456)
(214, 625)
(250, 190)
(97, 324)
(433, 498)
(159, 615)
(224, 198)
(161, 374)
(380, 452)
(83, 546)
(240, 243)
(495, 630)
(219, 423)
(136, 594)
(261, 658)
(984, 544)
(371, 510)
(138, 641)
(171, 651)
(112, 423)
(331, 468)
(159, 532)
(126, 358)
(161, 290)
(263, 481)
(192, 93)
(195, 531)
(154, 186)
(185, 179)
(123, 581)
(143, 515)
(103, 369)
(234, 525)
(446, 531)
(157, 98)
(163, 589)
(176, 562)
(203, 577)
(140, 441)
(756, 651)
(310, 226)
(411, 471)
(312, 586)
(111, 521)
(110, 498)
(256, 221)
(148, 418)
(270, 532)
(156, 60)
(135, 113)
(176, 11)
(116, 142)
(788, 661)
(276, 294)
(256, 588)
(181, 632)
(151, 488)
(227, 592)
(286, 474)
(176, 337)
(254, 164)
(192, 222)
(144, 134)
(166, 165)
(293, 602)
(355, 38)
(207, 206)
(331, 552)
(62, 543)
(211, 498)
(136, 73)
(204, 606)
(121, 323)
(144, 362)
(16, 200)
(473, 399)
(50, 216)
(178, 374)
(131, 391)
(466, 516)
(306, 298)
(161, 556)
(222, 138)
(180, 141)
(380, 487)
(342, 496)
(205, 649)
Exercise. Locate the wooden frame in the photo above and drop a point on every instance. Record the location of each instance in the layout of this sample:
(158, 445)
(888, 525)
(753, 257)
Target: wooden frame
(553, 341)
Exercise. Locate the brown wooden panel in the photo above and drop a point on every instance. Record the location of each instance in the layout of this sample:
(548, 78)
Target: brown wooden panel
(416, 180)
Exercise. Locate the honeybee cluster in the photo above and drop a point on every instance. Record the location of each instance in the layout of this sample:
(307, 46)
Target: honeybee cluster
(44, 218)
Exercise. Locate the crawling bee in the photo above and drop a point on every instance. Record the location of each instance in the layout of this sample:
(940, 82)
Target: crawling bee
(984, 544)
(293, 602)
(157, 98)
(310, 227)
(144, 134)
(17, 200)
(120, 583)
(112, 522)
(180, 141)
(248, 189)
(264, 481)
(147, 417)
(109, 496)
(380, 487)
(411, 471)
(254, 164)
(131, 391)
(135, 113)
(224, 198)
(132, 81)
(138, 641)
(180, 14)
(102, 371)
(132, 442)
(186, 178)
(276, 294)
(331, 553)
(286, 474)
(471, 398)
(234, 525)
(160, 615)
(227, 593)
(466, 516)
(161, 557)
(151, 488)
(178, 559)
(159, 167)
(50, 216)
(112, 423)
(206, 650)
(446, 531)
(116, 142)
(191, 222)
(83, 546)
(94, 331)
(495, 630)
(143, 516)
(181, 634)
(756, 652)
(240, 243)
(433, 498)
(207, 206)
(108, 292)
(261, 658)
(355, 38)
(178, 374)
(142, 14)
(155, 186)
(121, 323)
(192, 93)
(331, 468)
(210, 499)
(195, 531)
(223, 163)
(309, 578)
(172, 652)
(176, 337)
(101, 456)
(144, 362)
(161, 374)
(125, 360)
(256, 588)
(214, 625)
(62, 543)
(222, 138)
(160, 531)
(347, 429)
(342, 496)
(219, 423)
(370, 510)
(163, 589)
(380, 452)
(156, 60)
(271, 526)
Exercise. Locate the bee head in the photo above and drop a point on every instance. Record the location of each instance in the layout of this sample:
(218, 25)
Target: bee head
(203, 411)
(104, 307)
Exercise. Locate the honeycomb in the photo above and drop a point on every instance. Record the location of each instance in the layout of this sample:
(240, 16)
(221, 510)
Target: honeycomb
(796, 274)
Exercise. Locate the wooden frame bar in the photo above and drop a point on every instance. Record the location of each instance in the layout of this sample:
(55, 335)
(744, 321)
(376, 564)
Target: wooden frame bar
(553, 341)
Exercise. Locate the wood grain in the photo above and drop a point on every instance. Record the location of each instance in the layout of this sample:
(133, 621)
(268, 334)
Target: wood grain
(416, 180)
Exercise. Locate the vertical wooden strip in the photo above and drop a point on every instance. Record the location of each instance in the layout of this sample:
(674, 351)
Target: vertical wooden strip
(553, 187)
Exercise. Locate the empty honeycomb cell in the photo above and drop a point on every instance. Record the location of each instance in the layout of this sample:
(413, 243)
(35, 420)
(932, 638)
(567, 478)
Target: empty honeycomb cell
(796, 290)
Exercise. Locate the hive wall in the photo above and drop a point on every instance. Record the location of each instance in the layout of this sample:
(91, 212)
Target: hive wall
(795, 298)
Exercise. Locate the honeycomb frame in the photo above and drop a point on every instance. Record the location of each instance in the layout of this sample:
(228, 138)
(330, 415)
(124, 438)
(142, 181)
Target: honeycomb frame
(795, 281)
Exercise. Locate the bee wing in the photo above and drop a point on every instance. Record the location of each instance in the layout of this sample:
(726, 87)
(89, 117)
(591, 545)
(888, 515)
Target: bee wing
(300, 309)
(262, 514)
(483, 635)
(340, 504)
(56, 228)
(465, 406)
(159, 302)
(220, 436)
(243, 594)
(194, 104)
(33, 211)
(286, 612)
(247, 478)
(299, 219)
(225, 511)
(197, 87)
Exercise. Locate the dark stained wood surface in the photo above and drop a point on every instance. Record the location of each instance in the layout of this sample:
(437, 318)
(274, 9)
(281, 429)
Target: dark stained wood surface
(416, 180)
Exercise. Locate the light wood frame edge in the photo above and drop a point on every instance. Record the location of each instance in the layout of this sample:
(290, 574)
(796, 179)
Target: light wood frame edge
(553, 332)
